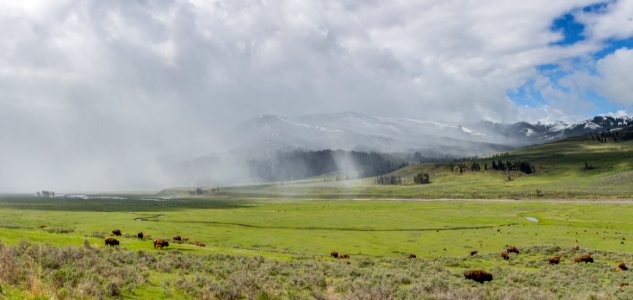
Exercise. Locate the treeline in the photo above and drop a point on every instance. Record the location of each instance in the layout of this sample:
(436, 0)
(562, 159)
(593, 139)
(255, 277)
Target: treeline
(625, 134)
(297, 164)
(420, 178)
(499, 165)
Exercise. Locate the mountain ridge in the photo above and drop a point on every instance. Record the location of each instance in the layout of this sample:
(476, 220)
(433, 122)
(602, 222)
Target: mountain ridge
(354, 131)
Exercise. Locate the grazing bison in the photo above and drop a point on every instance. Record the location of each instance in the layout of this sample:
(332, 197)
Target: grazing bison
(585, 259)
(177, 238)
(160, 243)
(186, 238)
(622, 267)
(343, 256)
(200, 244)
(116, 232)
(504, 254)
(111, 241)
(334, 254)
(412, 255)
(554, 260)
(576, 247)
(473, 253)
(478, 275)
(512, 249)
(140, 235)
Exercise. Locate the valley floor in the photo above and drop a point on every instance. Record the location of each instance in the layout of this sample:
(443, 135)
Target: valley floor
(280, 248)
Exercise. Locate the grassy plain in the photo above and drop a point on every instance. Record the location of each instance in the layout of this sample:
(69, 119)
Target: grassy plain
(300, 233)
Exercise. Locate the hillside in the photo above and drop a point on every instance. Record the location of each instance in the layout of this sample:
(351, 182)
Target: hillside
(559, 172)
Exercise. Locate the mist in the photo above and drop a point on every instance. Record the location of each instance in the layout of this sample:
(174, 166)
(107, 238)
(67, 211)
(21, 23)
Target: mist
(113, 96)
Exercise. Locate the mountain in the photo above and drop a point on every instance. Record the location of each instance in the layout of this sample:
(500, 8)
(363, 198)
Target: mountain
(359, 132)
(274, 147)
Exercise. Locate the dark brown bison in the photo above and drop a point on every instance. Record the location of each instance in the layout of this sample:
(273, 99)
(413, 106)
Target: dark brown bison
(478, 275)
(111, 241)
(412, 255)
(473, 253)
(585, 259)
(554, 260)
(343, 256)
(334, 254)
(140, 235)
(505, 255)
(200, 244)
(177, 238)
(160, 243)
(116, 232)
(622, 267)
(512, 249)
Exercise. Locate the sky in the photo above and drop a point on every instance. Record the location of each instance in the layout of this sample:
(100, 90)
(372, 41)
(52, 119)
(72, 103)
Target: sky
(97, 90)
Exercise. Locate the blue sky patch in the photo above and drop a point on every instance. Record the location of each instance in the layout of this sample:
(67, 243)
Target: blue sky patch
(572, 31)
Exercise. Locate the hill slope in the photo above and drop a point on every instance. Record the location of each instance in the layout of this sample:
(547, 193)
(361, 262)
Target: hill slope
(560, 173)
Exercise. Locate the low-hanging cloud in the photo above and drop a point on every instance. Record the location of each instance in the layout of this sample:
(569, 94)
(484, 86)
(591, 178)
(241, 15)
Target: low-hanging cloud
(94, 93)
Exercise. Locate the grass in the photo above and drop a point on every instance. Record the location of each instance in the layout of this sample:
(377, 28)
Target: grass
(280, 249)
(315, 227)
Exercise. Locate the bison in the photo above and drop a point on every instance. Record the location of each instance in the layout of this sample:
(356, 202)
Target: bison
(177, 238)
(200, 244)
(576, 247)
(334, 254)
(473, 253)
(111, 241)
(504, 255)
(554, 260)
(116, 232)
(160, 243)
(343, 256)
(512, 249)
(413, 255)
(186, 238)
(585, 259)
(140, 235)
(478, 275)
(622, 267)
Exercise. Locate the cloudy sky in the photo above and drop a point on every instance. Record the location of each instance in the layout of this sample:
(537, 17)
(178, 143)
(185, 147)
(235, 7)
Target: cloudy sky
(89, 88)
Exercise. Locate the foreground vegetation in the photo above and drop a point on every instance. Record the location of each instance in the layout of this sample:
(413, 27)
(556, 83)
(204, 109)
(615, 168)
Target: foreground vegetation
(44, 271)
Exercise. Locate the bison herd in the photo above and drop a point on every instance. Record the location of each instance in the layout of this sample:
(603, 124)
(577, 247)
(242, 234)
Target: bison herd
(158, 243)
(481, 276)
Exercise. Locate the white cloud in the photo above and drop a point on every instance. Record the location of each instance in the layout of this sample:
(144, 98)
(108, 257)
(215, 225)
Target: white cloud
(615, 80)
(103, 88)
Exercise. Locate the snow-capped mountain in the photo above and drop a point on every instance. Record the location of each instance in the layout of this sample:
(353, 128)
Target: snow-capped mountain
(355, 131)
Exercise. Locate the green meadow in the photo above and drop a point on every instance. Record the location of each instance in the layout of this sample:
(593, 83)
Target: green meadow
(316, 227)
(295, 237)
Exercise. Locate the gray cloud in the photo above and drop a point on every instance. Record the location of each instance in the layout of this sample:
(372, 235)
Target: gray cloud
(94, 92)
